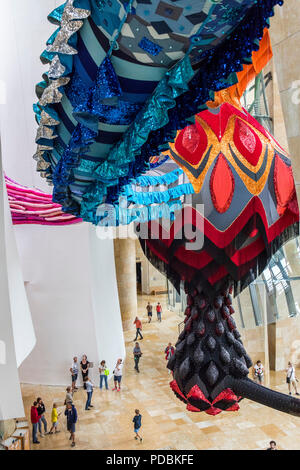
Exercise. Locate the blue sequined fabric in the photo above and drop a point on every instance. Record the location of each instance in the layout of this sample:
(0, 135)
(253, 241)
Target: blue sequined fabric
(123, 77)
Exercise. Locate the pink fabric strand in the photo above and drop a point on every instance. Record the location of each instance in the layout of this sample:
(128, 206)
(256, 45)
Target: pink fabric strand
(31, 206)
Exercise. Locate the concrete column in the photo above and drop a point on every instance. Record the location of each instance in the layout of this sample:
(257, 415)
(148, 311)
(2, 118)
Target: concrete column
(125, 260)
(285, 36)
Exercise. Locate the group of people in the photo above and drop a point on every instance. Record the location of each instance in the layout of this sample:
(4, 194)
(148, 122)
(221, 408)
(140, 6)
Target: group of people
(38, 409)
(85, 365)
(149, 309)
(39, 422)
(137, 353)
(38, 418)
(291, 379)
(138, 324)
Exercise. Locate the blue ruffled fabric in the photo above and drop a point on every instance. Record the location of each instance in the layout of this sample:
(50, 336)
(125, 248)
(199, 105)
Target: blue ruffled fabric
(157, 197)
(66, 61)
(168, 178)
(180, 95)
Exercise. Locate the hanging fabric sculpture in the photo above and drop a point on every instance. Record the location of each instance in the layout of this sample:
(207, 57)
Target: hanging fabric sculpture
(124, 76)
(244, 180)
(126, 79)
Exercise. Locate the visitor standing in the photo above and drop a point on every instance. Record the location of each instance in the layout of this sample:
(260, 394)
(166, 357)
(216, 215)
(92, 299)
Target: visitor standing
(69, 396)
(54, 419)
(84, 365)
(137, 354)
(169, 351)
(118, 375)
(34, 421)
(41, 412)
(158, 311)
(137, 424)
(89, 391)
(149, 312)
(138, 324)
(258, 371)
(74, 373)
(104, 373)
(71, 414)
(291, 378)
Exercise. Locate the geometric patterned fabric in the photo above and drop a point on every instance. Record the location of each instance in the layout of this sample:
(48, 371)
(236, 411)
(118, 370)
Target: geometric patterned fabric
(244, 180)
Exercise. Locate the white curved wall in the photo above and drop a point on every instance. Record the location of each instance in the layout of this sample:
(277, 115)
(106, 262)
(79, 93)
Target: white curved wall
(24, 30)
(16, 333)
(69, 273)
(71, 287)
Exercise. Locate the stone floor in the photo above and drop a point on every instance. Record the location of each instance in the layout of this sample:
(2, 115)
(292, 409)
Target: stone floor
(166, 423)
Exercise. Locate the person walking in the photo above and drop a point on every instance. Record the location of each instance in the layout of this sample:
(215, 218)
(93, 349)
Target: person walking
(138, 324)
(118, 375)
(89, 391)
(104, 373)
(34, 421)
(149, 312)
(137, 424)
(71, 414)
(137, 354)
(258, 372)
(291, 378)
(74, 373)
(41, 412)
(69, 395)
(158, 311)
(54, 419)
(84, 366)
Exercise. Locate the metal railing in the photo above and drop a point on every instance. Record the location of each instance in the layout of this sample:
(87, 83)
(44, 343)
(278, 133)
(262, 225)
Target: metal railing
(180, 327)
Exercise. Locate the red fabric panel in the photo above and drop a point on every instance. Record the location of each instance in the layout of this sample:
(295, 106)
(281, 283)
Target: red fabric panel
(247, 142)
(221, 185)
(191, 144)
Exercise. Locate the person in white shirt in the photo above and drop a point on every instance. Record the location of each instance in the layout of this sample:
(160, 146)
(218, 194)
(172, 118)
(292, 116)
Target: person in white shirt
(74, 373)
(258, 372)
(291, 378)
(118, 375)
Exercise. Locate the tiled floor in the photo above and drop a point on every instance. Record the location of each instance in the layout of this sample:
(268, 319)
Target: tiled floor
(166, 423)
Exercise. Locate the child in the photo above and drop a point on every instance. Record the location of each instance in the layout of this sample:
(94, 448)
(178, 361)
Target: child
(137, 420)
(54, 419)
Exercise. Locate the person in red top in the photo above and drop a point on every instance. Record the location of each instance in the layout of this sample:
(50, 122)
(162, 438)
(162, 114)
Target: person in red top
(138, 324)
(158, 311)
(34, 421)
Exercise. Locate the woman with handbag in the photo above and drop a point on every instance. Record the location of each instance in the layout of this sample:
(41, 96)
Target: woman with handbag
(84, 366)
